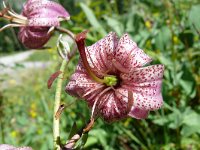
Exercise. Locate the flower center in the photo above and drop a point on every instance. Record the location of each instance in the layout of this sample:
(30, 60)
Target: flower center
(110, 80)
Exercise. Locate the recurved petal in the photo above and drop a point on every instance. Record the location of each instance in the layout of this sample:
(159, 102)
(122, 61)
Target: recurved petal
(143, 75)
(138, 113)
(34, 6)
(44, 13)
(128, 55)
(145, 83)
(100, 54)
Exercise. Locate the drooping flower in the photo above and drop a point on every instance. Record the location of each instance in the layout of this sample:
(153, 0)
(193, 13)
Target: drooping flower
(113, 79)
(10, 147)
(35, 21)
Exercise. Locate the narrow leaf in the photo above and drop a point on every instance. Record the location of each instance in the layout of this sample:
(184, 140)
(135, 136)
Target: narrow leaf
(52, 78)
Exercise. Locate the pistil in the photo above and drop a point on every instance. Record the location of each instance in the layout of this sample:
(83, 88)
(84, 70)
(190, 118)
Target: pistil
(80, 41)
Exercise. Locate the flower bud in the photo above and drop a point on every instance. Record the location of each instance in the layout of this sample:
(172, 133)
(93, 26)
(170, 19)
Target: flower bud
(37, 19)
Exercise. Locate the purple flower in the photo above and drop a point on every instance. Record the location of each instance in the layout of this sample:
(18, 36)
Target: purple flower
(10, 147)
(36, 20)
(114, 81)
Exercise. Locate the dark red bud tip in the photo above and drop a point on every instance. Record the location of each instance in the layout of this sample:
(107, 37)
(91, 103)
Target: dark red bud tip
(52, 78)
(81, 36)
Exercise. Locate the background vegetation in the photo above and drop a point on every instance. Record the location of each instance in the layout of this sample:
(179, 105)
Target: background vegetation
(168, 30)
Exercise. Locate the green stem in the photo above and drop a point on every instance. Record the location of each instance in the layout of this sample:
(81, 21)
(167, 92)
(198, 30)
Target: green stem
(56, 124)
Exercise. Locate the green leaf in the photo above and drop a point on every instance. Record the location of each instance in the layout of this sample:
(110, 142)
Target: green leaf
(187, 81)
(187, 38)
(81, 142)
(189, 130)
(191, 118)
(163, 38)
(161, 121)
(91, 141)
(101, 135)
(115, 25)
(92, 19)
(194, 17)
(73, 130)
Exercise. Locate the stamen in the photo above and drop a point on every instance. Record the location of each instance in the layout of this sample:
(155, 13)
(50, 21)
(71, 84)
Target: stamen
(20, 21)
(92, 90)
(51, 30)
(130, 101)
(4, 4)
(13, 14)
(97, 99)
(10, 26)
(10, 15)
(63, 19)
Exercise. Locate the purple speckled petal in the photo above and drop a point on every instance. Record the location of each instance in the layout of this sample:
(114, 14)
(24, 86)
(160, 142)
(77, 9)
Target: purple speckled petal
(10, 147)
(111, 107)
(138, 113)
(36, 7)
(100, 54)
(142, 75)
(6, 147)
(128, 55)
(80, 84)
(46, 22)
(33, 37)
(44, 13)
(145, 83)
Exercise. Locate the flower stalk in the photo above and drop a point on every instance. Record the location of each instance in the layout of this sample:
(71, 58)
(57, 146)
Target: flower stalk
(57, 103)
(56, 124)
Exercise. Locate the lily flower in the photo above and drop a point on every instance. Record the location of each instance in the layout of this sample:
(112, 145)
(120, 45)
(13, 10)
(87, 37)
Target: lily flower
(10, 147)
(112, 78)
(37, 20)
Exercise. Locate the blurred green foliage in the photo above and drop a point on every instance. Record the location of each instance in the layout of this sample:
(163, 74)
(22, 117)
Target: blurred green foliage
(168, 30)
